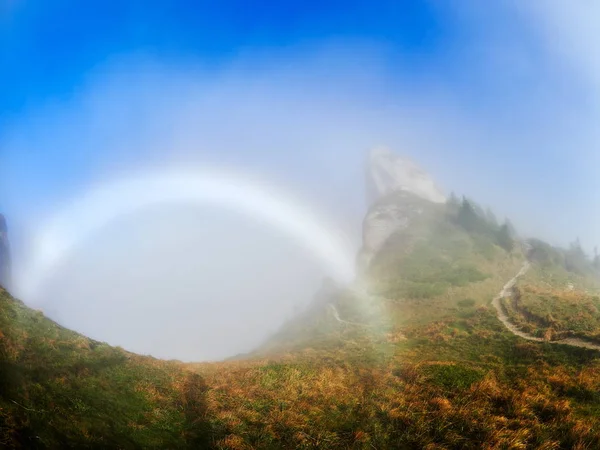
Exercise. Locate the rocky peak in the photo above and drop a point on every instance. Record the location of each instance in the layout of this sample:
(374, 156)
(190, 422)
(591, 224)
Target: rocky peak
(387, 173)
(5, 263)
(393, 183)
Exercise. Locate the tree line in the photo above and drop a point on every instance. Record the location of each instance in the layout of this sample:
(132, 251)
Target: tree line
(475, 220)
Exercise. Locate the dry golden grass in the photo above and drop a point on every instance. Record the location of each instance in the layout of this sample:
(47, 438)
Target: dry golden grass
(311, 405)
(555, 312)
(427, 368)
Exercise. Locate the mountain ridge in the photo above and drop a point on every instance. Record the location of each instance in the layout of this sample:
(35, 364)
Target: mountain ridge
(388, 178)
(411, 355)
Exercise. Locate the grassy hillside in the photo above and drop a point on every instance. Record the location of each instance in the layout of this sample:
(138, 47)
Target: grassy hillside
(455, 378)
(555, 313)
(59, 389)
(421, 362)
(413, 357)
(554, 304)
(513, 395)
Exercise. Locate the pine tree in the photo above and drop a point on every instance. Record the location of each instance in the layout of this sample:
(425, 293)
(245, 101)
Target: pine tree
(575, 259)
(452, 206)
(467, 218)
(453, 200)
(490, 217)
(504, 237)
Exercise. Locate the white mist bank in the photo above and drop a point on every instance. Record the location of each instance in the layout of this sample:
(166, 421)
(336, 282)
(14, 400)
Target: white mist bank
(192, 281)
(507, 114)
(182, 281)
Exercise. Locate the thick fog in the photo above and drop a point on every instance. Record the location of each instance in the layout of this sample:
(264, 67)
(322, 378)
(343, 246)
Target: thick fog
(508, 118)
(183, 281)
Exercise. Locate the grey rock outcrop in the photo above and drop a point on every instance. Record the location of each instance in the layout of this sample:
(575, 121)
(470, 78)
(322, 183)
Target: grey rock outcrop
(393, 183)
(388, 173)
(5, 260)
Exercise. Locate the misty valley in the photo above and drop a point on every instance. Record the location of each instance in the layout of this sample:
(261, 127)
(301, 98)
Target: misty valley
(454, 332)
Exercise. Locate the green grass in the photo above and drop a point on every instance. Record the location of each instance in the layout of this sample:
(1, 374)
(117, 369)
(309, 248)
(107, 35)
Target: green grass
(428, 366)
(453, 376)
(554, 304)
(59, 389)
(441, 256)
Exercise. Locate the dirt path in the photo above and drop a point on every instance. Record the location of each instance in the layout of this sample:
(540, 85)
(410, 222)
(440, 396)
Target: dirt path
(505, 292)
(337, 317)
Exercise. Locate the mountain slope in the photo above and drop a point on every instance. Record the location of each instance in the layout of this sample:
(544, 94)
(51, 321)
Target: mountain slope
(421, 360)
(425, 270)
(454, 382)
(59, 389)
(411, 355)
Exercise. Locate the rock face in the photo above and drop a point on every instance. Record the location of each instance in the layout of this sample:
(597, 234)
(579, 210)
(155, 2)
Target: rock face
(393, 184)
(5, 263)
(387, 173)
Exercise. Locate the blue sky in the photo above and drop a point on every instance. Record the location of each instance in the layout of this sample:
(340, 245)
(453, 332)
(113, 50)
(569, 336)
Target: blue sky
(490, 70)
(499, 102)
(58, 53)
(52, 46)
